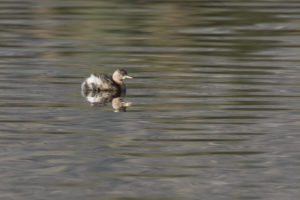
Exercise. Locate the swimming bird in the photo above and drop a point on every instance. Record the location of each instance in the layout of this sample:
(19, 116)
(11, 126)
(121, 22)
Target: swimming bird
(104, 82)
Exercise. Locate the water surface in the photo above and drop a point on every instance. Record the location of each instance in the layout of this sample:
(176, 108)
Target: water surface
(215, 100)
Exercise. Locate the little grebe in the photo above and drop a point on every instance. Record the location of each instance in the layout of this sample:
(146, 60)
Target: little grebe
(104, 82)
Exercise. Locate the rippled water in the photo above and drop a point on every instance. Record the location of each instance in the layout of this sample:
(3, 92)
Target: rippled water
(214, 101)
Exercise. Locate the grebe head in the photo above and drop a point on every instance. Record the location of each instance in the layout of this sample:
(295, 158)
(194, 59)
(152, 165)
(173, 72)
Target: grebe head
(120, 75)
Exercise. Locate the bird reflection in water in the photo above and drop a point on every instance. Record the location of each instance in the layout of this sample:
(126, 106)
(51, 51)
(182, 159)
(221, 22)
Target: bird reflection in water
(102, 98)
(100, 89)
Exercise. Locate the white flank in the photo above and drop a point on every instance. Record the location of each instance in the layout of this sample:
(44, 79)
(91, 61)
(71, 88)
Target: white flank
(95, 82)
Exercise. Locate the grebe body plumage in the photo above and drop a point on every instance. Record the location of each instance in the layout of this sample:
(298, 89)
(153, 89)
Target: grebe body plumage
(103, 82)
